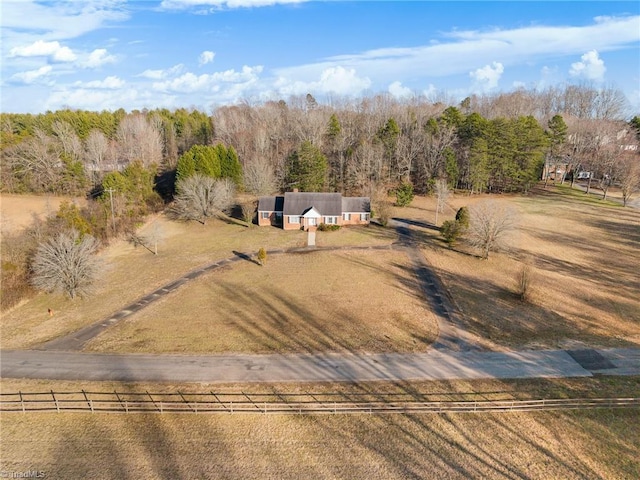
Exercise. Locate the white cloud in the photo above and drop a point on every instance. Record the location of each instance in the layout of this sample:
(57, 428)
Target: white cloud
(206, 57)
(98, 57)
(32, 75)
(111, 83)
(488, 76)
(40, 48)
(160, 74)
(462, 51)
(91, 99)
(220, 4)
(337, 80)
(591, 67)
(397, 90)
(190, 82)
(28, 20)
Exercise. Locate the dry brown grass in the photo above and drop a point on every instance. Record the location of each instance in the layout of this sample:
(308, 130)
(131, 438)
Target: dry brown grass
(568, 445)
(577, 444)
(584, 257)
(130, 272)
(17, 211)
(311, 302)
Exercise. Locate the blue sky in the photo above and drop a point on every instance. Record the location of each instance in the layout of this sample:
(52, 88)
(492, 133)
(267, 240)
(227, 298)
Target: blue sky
(108, 54)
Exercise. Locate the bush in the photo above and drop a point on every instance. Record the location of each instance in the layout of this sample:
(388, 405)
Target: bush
(462, 217)
(523, 283)
(324, 227)
(404, 194)
(451, 231)
(262, 256)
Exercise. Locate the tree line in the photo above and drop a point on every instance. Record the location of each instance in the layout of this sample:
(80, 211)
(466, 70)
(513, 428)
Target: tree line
(130, 164)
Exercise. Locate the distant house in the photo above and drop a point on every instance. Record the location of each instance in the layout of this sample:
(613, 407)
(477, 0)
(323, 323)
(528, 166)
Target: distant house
(302, 210)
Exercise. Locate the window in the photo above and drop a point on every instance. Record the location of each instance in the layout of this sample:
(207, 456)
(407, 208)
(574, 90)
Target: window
(364, 217)
(346, 216)
(293, 219)
(330, 220)
(265, 215)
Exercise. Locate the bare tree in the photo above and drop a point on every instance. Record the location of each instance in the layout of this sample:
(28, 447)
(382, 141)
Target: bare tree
(66, 263)
(630, 179)
(36, 162)
(200, 197)
(259, 178)
(139, 139)
(442, 195)
(70, 143)
(628, 166)
(489, 226)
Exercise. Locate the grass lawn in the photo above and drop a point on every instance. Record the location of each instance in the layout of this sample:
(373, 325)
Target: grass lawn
(541, 445)
(360, 301)
(130, 272)
(585, 258)
(567, 445)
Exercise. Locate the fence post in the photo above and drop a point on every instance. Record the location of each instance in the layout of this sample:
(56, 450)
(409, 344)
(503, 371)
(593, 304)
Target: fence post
(56, 401)
(126, 406)
(91, 405)
(21, 401)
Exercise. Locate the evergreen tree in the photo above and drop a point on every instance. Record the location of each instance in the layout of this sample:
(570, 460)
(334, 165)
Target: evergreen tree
(230, 166)
(307, 169)
(451, 167)
(334, 128)
(201, 159)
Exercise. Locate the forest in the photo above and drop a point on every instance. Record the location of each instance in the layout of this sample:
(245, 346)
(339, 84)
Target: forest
(129, 164)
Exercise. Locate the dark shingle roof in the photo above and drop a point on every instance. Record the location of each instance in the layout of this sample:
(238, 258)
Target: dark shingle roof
(296, 203)
(270, 204)
(356, 204)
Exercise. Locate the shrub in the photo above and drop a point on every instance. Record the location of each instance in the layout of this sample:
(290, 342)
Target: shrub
(324, 227)
(262, 256)
(523, 283)
(451, 231)
(462, 217)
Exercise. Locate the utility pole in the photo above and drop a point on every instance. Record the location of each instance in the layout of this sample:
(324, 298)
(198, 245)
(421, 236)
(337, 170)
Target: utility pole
(113, 216)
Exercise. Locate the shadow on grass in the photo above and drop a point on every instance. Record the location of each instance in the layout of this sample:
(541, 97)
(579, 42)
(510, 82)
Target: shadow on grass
(494, 312)
(417, 223)
(247, 257)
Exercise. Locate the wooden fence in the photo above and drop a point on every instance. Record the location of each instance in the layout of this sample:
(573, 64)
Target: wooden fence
(229, 403)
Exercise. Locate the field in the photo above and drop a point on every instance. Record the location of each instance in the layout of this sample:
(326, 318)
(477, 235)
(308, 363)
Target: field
(311, 302)
(17, 211)
(585, 258)
(181, 248)
(572, 445)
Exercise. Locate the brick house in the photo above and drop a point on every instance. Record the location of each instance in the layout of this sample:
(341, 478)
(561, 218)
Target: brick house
(301, 210)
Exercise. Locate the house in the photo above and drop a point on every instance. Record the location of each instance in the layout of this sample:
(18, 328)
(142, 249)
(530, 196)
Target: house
(301, 210)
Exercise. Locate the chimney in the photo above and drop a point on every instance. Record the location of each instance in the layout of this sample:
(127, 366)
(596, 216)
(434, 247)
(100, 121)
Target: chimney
(295, 190)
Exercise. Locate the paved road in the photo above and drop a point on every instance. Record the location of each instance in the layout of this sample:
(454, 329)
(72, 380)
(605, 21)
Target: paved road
(435, 365)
